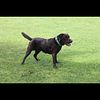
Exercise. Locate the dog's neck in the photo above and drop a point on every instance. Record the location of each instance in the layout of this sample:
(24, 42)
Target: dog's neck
(56, 39)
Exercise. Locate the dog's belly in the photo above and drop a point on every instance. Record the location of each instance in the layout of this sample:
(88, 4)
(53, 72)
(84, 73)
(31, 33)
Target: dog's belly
(47, 50)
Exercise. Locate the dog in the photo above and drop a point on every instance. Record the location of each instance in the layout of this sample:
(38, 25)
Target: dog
(50, 46)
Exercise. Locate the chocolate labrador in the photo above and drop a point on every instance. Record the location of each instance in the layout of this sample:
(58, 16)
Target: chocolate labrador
(51, 46)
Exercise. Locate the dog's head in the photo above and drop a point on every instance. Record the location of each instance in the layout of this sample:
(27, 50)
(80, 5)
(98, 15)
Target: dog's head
(64, 39)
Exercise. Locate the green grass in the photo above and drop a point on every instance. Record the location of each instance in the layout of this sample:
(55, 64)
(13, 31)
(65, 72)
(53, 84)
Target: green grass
(79, 63)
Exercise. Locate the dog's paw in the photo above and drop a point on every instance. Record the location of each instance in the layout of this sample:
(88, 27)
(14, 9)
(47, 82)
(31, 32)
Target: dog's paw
(22, 63)
(38, 60)
(58, 62)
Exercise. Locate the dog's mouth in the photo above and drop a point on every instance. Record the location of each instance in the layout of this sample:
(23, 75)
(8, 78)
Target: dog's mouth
(68, 44)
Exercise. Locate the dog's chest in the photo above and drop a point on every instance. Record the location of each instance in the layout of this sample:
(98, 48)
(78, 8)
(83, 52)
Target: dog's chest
(50, 47)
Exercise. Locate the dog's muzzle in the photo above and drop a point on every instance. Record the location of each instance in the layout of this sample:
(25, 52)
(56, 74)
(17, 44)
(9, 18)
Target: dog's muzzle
(69, 43)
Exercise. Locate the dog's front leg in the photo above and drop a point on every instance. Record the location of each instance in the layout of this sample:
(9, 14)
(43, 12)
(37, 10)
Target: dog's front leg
(54, 60)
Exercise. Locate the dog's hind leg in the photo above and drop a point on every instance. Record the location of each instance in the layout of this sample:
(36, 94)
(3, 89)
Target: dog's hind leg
(35, 55)
(29, 50)
(26, 55)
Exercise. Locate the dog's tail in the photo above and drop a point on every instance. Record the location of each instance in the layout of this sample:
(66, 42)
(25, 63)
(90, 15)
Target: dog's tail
(26, 36)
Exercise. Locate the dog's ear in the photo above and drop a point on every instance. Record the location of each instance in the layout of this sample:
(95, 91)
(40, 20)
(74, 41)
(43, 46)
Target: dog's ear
(59, 37)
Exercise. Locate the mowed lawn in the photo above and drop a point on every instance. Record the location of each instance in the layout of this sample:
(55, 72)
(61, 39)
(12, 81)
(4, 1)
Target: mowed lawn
(80, 63)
